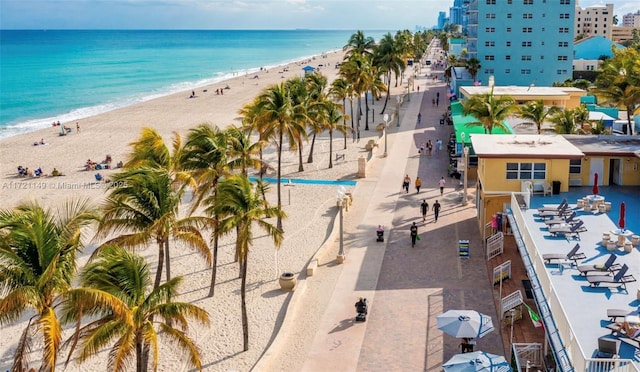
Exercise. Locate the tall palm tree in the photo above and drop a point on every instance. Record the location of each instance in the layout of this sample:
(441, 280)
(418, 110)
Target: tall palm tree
(145, 207)
(536, 113)
(359, 44)
(300, 98)
(565, 122)
(283, 121)
(330, 118)
(38, 250)
(489, 110)
(116, 294)
(340, 90)
(150, 150)
(205, 155)
(473, 66)
(242, 150)
(244, 207)
(317, 98)
(388, 59)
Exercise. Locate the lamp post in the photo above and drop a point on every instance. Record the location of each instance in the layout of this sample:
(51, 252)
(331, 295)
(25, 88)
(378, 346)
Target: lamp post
(398, 111)
(386, 125)
(341, 256)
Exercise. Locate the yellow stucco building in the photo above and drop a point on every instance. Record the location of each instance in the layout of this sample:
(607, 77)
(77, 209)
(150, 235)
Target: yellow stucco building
(563, 97)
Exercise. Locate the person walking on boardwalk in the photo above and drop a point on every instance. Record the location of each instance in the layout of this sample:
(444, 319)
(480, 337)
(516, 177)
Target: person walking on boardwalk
(436, 210)
(424, 208)
(441, 183)
(406, 182)
(418, 184)
(419, 118)
(414, 234)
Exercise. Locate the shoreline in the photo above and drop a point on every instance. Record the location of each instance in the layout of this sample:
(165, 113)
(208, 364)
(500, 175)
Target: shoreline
(83, 113)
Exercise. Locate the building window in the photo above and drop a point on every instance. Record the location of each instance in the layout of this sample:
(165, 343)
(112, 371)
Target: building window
(542, 56)
(508, 29)
(490, 15)
(563, 30)
(489, 71)
(527, 29)
(526, 171)
(509, 2)
(564, 16)
(527, 15)
(562, 58)
(525, 71)
(489, 58)
(489, 43)
(526, 43)
(490, 29)
(527, 2)
(508, 43)
(565, 2)
(507, 70)
(563, 44)
(508, 15)
(561, 72)
(575, 166)
(525, 58)
(491, 2)
(508, 58)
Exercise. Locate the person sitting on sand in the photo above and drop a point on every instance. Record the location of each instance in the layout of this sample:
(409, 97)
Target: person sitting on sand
(38, 172)
(55, 172)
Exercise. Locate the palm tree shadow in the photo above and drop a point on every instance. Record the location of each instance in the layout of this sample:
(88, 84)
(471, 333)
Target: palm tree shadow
(344, 324)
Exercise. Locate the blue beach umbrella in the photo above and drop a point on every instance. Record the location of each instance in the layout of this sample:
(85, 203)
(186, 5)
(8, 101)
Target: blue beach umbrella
(465, 323)
(477, 361)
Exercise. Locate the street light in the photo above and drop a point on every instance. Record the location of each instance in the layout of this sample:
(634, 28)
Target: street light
(386, 124)
(465, 152)
(341, 200)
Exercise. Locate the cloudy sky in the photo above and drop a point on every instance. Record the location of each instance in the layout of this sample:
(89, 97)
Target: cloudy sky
(234, 14)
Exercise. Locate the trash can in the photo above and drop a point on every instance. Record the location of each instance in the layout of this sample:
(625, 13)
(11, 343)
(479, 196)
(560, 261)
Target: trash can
(555, 186)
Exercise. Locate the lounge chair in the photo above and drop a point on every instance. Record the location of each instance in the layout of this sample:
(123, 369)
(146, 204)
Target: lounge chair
(609, 266)
(618, 280)
(614, 314)
(616, 329)
(562, 212)
(573, 255)
(567, 230)
(552, 208)
(570, 219)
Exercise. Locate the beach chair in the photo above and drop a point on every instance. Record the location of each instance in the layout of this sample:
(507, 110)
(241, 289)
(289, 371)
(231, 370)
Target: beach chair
(609, 266)
(618, 280)
(573, 255)
(562, 212)
(567, 230)
(616, 329)
(614, 314)
(552, 208)
(558, 220)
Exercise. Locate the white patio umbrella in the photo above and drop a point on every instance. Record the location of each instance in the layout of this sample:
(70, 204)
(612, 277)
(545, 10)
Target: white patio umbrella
(477, 361)
(465, 323)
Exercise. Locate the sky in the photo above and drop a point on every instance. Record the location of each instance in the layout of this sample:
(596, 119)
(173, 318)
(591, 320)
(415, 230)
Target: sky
(235, 14)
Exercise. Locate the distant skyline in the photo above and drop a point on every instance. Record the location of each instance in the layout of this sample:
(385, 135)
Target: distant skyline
(236, 14)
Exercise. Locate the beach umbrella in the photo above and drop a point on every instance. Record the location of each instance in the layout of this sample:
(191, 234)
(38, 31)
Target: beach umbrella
(595, 183)
(622, 211)
(465, 323)
(477, 361)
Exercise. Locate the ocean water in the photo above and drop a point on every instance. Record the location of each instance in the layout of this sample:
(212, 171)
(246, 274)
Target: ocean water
(64, 75)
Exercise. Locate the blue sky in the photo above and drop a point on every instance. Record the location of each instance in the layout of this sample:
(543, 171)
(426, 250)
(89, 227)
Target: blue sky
(234, 14)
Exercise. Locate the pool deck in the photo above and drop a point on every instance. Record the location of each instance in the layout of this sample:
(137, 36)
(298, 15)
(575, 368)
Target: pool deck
(586, 307)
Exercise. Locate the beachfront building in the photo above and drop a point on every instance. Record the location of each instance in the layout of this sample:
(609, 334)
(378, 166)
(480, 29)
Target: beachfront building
(588, 53)
(594, 20)
(563, 97)
(522, 42)
(622, 34)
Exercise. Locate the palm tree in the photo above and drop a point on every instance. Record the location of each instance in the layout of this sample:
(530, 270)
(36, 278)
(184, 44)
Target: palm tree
(243, 207)
(331, 116)
(340, 91)
(145, 207)
(388, 59)
(205, 155)
(359, 44)
(152, 151)
(565, 122)
(489, 110)
(317, 95)
(115, 293)
(619, 81)
(242, 150)
(282, 120)
(473, 66)
(536, 113)
(297, 88)
(38, 250)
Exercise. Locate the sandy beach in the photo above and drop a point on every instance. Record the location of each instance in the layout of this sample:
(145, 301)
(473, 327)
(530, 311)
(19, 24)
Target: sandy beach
(310, 209)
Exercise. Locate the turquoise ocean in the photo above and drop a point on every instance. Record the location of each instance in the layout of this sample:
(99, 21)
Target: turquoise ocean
(64, 75)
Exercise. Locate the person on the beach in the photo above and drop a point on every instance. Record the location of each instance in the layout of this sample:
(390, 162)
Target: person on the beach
(437, 98)
(414, 234)
(441, 183)
(419, 118)
(418, 185)
(630, 330)
(421, 150)
(77, 127)
(429, 147)
(433, 101)
(436, 210)
(406, 182)
(424, 208)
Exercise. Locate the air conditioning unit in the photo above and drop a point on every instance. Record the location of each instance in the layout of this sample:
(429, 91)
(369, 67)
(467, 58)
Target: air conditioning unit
(575, 182)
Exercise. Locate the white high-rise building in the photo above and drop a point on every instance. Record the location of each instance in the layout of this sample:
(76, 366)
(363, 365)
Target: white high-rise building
(595, 20)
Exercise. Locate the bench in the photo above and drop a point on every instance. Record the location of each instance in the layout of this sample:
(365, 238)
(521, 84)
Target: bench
(339, 157)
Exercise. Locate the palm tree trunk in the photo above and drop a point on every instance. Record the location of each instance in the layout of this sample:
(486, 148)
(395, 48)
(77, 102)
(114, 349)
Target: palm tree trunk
(243, 296)
(167, 258)
(279, 220)
(345, 140)
(300, 166)
(330, 149)
(386, 99)
(344, 112)
(313, 142)
(158, 279)
(366, 114)
(214, 263)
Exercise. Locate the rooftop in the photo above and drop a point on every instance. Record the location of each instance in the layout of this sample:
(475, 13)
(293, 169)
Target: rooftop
(524, 146)
(522, 91)
(592, 144)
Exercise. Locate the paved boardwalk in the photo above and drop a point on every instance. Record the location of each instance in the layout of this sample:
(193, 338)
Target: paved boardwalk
(406, 287)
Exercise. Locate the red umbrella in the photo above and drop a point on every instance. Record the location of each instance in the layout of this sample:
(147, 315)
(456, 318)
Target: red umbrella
(595, 183)
(621, 222)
